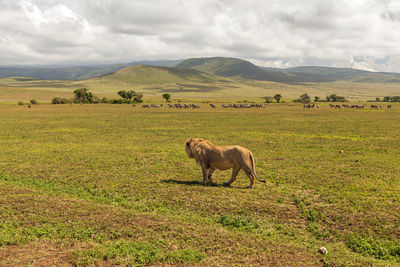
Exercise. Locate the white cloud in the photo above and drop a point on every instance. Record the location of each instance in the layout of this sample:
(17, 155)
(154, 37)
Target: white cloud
(276, 33)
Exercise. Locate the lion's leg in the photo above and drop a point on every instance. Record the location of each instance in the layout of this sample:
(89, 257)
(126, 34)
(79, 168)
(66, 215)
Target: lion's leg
(210, 174)
(235, 171)
(204, 169)
(249, 173)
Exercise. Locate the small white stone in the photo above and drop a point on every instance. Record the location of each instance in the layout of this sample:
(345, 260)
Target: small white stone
(323, 250)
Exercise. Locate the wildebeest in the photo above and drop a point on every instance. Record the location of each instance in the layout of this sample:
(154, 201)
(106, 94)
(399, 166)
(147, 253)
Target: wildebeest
(389, 106)
(309, 106)
(374, 107)
(213, 106)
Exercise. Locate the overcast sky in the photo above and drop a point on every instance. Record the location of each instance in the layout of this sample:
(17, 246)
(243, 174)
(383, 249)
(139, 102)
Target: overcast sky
(363, 34)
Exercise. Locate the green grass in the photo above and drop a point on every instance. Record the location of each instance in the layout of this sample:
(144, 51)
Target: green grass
(111, 184)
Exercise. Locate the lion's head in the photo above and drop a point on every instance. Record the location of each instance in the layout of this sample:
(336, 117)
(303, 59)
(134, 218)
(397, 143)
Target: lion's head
(194, 146)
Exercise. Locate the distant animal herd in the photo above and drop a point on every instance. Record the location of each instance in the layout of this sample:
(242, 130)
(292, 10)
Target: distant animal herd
(241, 106)
(359, 106)
(347, 106)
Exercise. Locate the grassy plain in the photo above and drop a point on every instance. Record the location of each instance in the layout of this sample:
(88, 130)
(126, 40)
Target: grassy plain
(185, 83)
(111, 184)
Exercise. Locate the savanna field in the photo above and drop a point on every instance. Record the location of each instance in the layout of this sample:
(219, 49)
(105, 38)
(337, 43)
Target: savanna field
(88, 185)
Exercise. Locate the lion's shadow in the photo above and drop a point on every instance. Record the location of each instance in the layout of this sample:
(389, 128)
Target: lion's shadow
(193, 183)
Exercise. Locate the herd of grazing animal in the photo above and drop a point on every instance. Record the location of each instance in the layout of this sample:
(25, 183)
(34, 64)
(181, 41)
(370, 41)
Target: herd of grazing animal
(348, 106)
(247, 106)
(358, 106)
(381, 107)
(244, 106)
(185, 106)
(152, 106)
(194, 106)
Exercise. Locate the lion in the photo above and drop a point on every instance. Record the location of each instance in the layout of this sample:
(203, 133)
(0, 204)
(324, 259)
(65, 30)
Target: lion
(210, 158)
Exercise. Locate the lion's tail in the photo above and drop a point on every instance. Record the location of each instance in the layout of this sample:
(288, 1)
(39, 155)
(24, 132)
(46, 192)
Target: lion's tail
(253, 167)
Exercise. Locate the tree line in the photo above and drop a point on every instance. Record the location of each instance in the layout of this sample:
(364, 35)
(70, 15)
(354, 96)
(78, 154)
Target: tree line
(83, 96)
(305, 98)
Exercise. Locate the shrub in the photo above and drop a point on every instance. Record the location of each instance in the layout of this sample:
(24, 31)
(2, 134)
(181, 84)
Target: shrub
(59, 100)
(117, 101)
(21, 103)
(335, 98)
(33, 101)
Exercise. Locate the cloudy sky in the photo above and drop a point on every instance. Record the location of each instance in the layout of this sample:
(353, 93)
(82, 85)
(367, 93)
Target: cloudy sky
(363, 34)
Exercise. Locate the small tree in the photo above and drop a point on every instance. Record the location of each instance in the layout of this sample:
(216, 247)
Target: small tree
(127, 95)
(305, 98)
(331, 98)
(335, 98)
(137, 98)
(167, 97)
(316, 99)
(82, 95)
(278, 97)
(268, 99)
(122, 94)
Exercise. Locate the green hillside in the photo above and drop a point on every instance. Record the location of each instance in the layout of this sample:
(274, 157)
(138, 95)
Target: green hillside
(158, 75)
(233, 67)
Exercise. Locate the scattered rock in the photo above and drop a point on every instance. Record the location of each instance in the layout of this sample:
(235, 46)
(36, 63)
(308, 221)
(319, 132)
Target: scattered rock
(323, 250)
(173, 247)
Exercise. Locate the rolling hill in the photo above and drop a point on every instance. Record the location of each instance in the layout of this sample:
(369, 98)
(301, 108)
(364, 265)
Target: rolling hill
(343, 74)
(144, 74)
(75, 72)
(232, 67)
(219, 66)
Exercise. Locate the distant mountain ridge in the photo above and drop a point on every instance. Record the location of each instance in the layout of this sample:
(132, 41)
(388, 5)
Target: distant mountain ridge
(232, 67)
(75, 72)
(218, 66)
